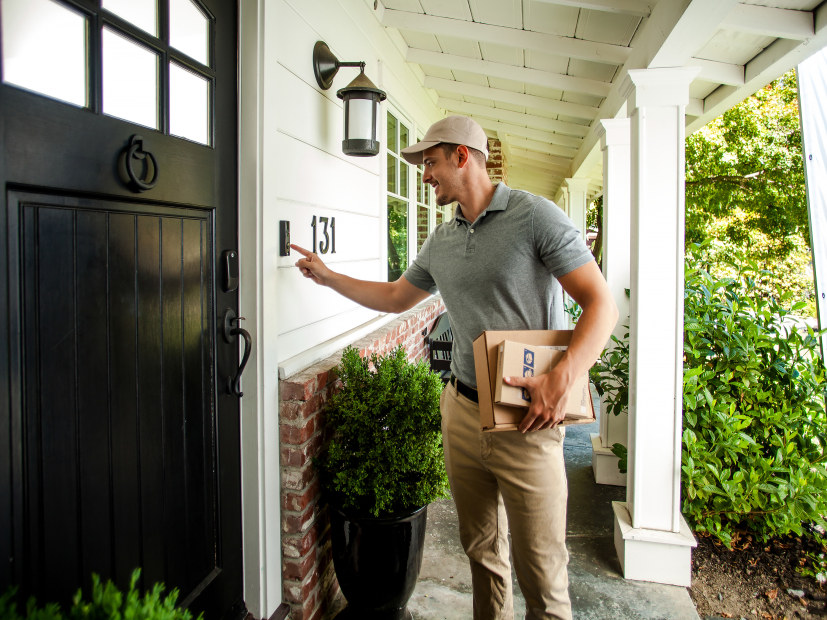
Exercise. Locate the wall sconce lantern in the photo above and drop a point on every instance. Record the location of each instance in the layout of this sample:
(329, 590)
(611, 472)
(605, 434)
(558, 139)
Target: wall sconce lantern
(361, 98)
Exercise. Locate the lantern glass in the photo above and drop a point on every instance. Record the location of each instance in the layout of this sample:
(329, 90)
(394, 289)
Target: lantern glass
(360, 123)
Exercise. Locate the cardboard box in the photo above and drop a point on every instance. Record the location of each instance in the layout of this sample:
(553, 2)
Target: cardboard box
(496, 416)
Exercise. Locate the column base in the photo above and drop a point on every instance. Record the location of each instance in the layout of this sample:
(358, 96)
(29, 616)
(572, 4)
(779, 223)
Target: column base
(653, 555)
(604, 464)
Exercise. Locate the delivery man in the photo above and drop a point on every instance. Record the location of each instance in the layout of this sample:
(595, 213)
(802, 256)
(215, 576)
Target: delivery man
(501, 263)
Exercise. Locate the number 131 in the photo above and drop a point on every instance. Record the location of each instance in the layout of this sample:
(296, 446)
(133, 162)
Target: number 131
(328, 243)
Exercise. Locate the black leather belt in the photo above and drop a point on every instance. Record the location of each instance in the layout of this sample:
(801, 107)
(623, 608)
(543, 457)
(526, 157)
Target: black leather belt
(466, 390)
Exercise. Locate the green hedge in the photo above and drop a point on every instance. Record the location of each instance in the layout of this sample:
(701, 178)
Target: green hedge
(754, 423)
(755, 428)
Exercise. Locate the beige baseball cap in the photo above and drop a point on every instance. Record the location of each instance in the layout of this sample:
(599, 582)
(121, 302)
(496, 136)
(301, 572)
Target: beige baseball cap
(452, 129)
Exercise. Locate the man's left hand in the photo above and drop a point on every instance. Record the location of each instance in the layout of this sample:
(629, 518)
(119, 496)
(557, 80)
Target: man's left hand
(548, 399)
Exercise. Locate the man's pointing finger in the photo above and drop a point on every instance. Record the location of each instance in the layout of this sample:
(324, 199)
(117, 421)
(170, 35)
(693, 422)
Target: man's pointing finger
(300, 250)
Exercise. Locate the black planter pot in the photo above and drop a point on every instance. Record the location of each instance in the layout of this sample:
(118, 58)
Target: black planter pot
(377, 561)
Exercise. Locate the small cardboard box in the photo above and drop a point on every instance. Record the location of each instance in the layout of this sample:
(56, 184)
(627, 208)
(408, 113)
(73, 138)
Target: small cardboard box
(496, 416)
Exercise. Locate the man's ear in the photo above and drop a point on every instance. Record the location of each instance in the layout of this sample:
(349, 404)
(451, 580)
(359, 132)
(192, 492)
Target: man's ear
(463, 155)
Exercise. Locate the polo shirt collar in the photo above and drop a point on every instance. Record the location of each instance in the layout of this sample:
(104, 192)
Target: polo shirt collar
(499, 201)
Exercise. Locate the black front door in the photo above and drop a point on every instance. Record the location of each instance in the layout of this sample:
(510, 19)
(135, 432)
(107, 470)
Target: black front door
(118, 195)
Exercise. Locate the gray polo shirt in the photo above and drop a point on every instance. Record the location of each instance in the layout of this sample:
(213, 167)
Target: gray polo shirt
(501, 271)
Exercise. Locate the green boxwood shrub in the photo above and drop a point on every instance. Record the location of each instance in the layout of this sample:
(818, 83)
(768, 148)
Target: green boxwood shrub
(107, 602)
(755, 428)
(384, 452)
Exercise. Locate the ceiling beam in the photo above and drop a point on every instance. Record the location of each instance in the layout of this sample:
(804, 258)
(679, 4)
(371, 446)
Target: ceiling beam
(546, 79)
(771, 22)
(540, 159)
(508, 96)
(781, 56)
(672, 35)
(509, 37)
(718, 72)
(535, 167)
(696, 26)
(694, 107)
(534, 134)
(640, 8)
(541, 147)
(532, 175)
(517, 118)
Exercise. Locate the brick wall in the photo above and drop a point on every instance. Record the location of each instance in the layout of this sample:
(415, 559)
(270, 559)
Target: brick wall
(310, 585)
(496, 164)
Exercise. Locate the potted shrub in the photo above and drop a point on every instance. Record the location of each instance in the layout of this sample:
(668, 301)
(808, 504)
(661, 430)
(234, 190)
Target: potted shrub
(380, 467)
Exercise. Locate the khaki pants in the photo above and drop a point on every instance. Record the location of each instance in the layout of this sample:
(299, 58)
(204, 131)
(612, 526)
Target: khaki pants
(508, 478)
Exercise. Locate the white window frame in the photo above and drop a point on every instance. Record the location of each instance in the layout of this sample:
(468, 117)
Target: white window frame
(414, 176)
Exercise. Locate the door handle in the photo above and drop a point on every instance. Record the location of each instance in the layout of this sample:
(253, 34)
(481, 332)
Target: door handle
(231, 331)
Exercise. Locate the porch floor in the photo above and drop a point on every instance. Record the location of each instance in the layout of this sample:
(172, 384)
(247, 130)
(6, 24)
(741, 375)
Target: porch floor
(596, 585)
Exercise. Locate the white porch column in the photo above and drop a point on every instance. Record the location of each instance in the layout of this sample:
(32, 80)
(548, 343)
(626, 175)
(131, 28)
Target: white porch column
(614, 141)
(577, 202)
(564, 199)
(652, 539)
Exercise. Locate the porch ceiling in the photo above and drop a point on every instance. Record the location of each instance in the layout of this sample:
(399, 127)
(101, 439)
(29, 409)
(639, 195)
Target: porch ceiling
(537, 74)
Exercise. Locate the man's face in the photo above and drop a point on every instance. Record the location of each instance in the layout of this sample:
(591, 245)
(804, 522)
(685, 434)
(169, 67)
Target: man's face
(442, 173)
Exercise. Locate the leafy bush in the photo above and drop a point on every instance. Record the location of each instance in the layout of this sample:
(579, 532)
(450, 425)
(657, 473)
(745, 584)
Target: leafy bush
(107, 603)
(755, 428)
(385, 449)
(611, 375)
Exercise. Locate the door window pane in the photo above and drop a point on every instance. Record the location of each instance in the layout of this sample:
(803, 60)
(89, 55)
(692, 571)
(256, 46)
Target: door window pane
(130, 80)
(189, 30)
(141, 13)
(189, 105)
(44, 49)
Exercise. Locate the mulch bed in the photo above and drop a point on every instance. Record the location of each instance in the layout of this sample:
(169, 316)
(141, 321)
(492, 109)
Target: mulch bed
(754, 580)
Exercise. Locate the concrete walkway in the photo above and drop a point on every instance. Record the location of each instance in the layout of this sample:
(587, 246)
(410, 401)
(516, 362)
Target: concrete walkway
(596, 586)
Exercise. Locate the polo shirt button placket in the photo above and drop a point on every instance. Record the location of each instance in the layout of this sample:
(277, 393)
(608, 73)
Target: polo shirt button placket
(470, 246)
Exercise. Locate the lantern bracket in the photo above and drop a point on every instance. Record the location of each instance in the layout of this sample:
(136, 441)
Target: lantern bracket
(326, 65)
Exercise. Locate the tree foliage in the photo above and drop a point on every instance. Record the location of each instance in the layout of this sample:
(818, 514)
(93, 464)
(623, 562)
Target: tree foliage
(745, 176)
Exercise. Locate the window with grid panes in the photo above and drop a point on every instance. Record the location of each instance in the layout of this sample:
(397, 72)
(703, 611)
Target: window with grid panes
(412, 209)
(155, 68)
(399, 197)
(426, 211)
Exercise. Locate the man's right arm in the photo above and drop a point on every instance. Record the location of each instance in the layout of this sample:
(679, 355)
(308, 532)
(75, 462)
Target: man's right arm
(382, 296)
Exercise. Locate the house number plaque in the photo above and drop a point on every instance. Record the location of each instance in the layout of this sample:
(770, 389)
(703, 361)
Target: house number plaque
(324, 232)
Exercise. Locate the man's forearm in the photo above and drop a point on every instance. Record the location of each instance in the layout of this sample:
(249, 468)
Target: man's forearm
(374, 295)
(591, 333)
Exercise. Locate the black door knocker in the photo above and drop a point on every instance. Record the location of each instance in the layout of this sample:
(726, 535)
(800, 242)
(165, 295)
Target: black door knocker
(147, 176)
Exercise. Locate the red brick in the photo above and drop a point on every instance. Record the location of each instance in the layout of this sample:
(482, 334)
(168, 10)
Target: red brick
(297, 478)
(297, 435)
(301, 500)
(300, 456)
(290, 410)
(297, 570)
(297, 390)
(295, 522)
(313, 405)
(306, 608)
(297, 592)
(296, 546)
